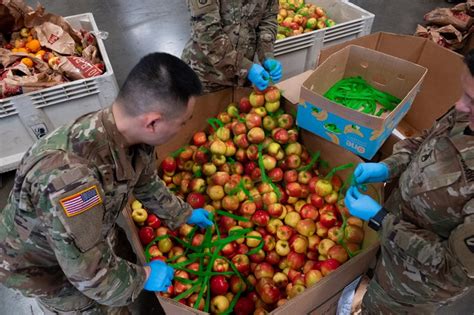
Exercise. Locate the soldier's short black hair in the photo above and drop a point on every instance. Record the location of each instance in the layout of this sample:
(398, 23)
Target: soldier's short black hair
(159, 81)
(469, 60)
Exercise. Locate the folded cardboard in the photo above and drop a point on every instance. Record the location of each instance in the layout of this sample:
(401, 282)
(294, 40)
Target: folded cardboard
(441, 87)
(329, 287)
(360, 133)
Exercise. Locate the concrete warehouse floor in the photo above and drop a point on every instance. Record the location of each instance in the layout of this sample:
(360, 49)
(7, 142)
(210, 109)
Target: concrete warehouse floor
(140, 27)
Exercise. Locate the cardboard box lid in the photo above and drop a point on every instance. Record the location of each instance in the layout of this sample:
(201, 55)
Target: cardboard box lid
(396, 76)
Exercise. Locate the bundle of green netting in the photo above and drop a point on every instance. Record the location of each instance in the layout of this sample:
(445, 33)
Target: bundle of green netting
(357, 94)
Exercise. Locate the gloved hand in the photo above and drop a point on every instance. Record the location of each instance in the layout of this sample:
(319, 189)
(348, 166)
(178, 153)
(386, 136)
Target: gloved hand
(275, 69)
(371, 173)
(360, 205)
(160, 277)
(258, 76)
(200, 217)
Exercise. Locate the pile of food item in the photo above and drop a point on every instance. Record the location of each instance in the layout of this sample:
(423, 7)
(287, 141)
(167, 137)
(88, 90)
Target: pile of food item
(40, 50)
(280, 221)
(449, 27)
(295, 18)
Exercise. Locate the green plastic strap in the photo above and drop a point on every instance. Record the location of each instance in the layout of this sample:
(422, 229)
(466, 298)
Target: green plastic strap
(314, 160)
(233, 216)
(337, 169)
(241, 187)
(177, 152)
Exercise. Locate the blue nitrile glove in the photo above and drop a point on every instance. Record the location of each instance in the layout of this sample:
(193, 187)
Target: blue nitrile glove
(360, 205)
(258, 76)
(200, 217)
(160, 277)
(275, 69)
(371, 173)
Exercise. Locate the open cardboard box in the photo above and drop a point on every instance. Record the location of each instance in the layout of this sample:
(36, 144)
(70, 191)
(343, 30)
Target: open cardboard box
(329, 287)
(360, 133)
(441, 87)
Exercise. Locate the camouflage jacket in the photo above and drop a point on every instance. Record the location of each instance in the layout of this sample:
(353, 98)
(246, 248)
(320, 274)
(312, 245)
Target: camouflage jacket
(68, 192)
(225, 37)
(427, 239)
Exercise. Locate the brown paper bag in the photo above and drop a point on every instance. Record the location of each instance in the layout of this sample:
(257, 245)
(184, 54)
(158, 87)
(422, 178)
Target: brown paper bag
(55, 38)
(444, 16)
(446, 36)
(76, 68)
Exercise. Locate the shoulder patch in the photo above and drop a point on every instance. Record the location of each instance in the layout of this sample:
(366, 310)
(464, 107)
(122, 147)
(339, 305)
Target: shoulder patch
(199, 7)
(81, 201)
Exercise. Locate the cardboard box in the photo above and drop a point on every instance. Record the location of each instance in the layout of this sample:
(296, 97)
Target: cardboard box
(357, 132)
(316, 296)
(441, 87)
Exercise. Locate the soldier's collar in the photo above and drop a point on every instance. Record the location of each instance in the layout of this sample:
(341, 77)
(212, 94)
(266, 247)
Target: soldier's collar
(121, 153)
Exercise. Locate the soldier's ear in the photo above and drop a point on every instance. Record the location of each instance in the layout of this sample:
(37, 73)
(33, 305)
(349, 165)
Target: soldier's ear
(151, 120)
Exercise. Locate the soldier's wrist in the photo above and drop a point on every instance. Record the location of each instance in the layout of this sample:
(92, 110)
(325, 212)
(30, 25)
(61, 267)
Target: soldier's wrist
(147, 272)
(376, 221)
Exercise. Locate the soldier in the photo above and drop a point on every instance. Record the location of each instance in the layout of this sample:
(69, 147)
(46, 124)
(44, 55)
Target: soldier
(426, 228)
(226, 36)
(58, 229)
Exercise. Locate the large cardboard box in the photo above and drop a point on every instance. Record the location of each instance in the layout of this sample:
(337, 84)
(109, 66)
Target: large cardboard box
(322, 295)
(441, 87)
(360, 133)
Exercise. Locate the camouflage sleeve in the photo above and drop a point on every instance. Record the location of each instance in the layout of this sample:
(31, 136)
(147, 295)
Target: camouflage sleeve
(267, 31)
(434, 256)
(156, 197)
(207, 32)
(403, 152)
(70, 200)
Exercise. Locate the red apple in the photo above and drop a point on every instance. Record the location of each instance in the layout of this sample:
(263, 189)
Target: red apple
(197, 239)
(335, 233)
(241, 262)
(328, 219)
(196, 200)
(354, 234)
(272, 257)
(244, 105)
(146, 234)
(276, 175)
(338, 253)
(316, 200)
(280, 279)
(254, 240)
(280, 135)
(244, 306)
(153, 221)
(252, 152)
(328, 266)
(285, 121)
(269, 162)
(225, 223)
(219, 285)
(272, 94)
(313, 242)
(299, 244)
(253, 120)
(257, 257)
(273, 225)
(295, 260)
(168, 165)
(332, 197)
(268, 290)
(241, 141)
(312, 277)
(154, 251)
(193, 299)
(256, 99)
(230, 203)
(239, 128)
(291, 176)
(261, 218)
(220, 265)
(264, 270)
(199, 138)
(323, 187)
(304, 177)
(237, 285)
(229, 249)
(293, 161)
(284, 232)
(269, 123)
(293, 189)
(256, 135)
(306, 227)
(208, 169)
(325, 245)
(308, 211)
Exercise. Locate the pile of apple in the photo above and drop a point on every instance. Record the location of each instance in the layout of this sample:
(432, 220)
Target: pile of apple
(295, 18)
(251, 165)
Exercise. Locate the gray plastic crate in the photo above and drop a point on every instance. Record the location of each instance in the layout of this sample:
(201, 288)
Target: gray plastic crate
(299, 53)
(28, 117)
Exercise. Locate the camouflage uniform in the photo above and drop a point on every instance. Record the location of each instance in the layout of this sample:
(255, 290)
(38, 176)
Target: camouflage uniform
(225, 37)
(427, 238)
(63, 255)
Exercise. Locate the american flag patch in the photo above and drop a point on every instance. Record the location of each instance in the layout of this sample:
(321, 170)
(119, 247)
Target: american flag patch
(81, 201)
